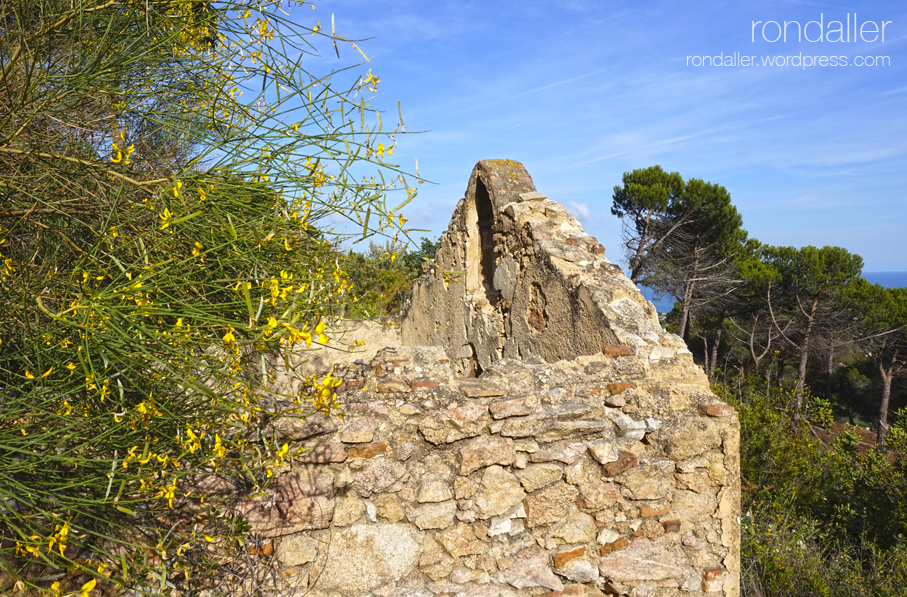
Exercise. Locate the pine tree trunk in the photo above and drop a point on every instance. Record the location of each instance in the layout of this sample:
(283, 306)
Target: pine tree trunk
(804, 357)
(801, 377)
(829, 370)
(883, 409)
(685, 311)
(714, 362)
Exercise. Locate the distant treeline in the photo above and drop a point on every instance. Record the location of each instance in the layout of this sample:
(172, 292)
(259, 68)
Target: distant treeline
(762, 309)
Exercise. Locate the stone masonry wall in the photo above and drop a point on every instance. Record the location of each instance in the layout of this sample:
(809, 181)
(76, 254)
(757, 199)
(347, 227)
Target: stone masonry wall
(539, 434)
(579, 477)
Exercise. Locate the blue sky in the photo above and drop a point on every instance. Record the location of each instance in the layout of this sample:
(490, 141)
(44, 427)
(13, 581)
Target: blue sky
(581, 92)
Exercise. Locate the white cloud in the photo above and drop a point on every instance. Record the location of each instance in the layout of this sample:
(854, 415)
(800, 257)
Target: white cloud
(580, 211)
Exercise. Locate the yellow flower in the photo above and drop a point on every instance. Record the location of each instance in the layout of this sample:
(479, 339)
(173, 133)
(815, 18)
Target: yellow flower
(370, 81)
(29, 375)
(283, 452)
(119, 158)
(319, 329)
(88, 587)
(46, 373)
(176, 188)
(229, 338)
(166, 216)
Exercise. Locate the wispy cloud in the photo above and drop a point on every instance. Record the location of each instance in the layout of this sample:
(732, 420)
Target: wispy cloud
(580, 211)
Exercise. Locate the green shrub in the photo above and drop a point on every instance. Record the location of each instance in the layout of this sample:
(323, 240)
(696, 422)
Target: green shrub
(820, 517)
(157, 232)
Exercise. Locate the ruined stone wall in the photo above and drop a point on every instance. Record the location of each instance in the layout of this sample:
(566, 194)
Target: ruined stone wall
(612, 473)
(522, 280)
(588, 456)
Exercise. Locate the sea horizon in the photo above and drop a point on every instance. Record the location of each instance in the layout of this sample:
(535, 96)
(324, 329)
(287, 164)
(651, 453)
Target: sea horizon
(888, 279)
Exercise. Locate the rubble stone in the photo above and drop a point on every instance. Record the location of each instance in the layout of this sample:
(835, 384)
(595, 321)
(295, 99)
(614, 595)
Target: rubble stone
(458, 456)
(484, 451)
(501, 491)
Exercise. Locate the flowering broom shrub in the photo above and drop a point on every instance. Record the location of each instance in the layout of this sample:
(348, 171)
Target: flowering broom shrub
(166, 172)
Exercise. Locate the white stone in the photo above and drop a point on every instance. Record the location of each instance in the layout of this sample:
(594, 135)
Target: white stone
(660, 352)
(603, 451)
(630, 429)
(363, 557)
(579, 570)
(643, 560)
(434, 516)
(499, 526)
(433, 489)
(578, 527)
(296, 550)
(651, 337)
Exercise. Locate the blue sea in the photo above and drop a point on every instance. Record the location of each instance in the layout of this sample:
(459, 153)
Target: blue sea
(886, 279)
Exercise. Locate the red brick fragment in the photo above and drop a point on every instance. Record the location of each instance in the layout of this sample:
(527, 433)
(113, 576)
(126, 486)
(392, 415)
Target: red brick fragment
(716, 410)
(647, 512)
(367, 451)
(425, 384)
(619, 544)
(618, 388)
(625, 461)
(712, 573)
(349, 386)
(671, 526)
(562, 558)
(618, 351)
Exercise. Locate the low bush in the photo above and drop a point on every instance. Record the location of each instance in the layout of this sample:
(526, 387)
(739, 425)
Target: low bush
(823, 513)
